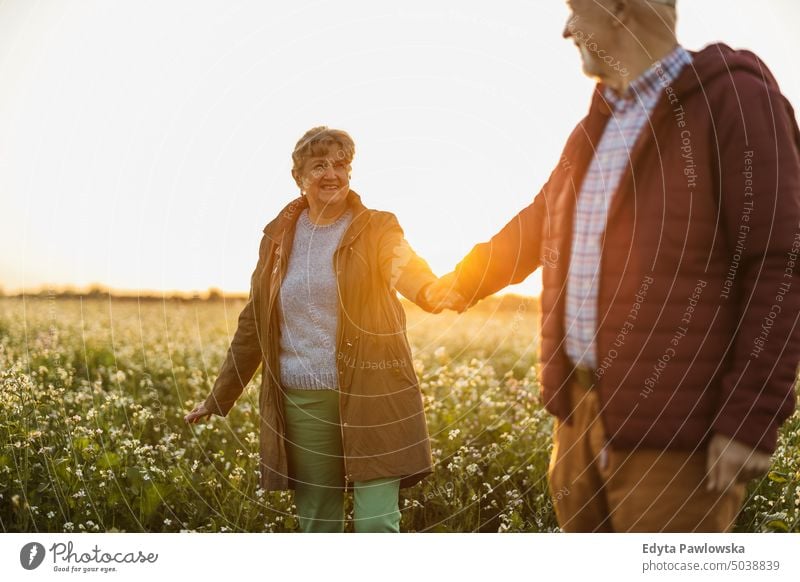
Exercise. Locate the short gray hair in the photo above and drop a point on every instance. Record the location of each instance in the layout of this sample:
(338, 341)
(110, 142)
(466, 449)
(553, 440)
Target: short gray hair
(317, 141)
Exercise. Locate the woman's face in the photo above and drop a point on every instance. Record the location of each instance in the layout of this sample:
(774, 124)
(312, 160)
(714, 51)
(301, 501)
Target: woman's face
(326, 179)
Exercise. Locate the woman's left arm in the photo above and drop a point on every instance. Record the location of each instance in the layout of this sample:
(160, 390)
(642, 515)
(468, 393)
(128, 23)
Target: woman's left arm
(406, 271)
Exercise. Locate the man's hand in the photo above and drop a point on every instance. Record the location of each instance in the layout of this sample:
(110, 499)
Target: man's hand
(729, 462)
(442, 294)
(200, 411)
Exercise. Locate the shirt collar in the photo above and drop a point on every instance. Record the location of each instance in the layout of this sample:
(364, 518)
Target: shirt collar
(649, 84)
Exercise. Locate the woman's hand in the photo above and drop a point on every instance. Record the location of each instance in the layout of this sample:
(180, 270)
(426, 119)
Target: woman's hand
(442, 294)
(200, 411)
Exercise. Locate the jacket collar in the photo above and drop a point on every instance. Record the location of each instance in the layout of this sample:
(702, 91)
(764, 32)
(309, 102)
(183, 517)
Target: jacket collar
(287, 218)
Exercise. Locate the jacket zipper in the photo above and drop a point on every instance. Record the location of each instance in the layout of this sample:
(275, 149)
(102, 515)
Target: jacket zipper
(349, 244)
(626, 175)
(339, 372)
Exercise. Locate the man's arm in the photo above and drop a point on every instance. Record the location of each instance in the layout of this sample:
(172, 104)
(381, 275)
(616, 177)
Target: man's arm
(757, 393)
(244, 354)
(507, 258)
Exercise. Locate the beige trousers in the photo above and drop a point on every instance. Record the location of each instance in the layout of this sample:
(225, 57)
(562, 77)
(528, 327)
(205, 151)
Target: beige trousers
(603, 490)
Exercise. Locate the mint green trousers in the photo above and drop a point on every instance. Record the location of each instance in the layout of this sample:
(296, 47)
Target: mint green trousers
(316, 461)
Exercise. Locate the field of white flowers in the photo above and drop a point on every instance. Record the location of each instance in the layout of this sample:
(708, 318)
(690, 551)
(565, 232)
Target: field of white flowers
(92, 437)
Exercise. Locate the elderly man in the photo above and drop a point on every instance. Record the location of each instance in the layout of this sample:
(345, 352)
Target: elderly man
(668, 235)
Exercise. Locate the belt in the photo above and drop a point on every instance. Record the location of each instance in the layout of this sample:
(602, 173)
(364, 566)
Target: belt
(584, 377)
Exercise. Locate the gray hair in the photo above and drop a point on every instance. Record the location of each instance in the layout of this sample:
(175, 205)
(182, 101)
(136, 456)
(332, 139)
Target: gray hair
(317, 140)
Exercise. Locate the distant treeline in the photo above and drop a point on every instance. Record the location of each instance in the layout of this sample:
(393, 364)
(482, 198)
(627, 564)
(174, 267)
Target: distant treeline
(97, 292)
(504, 303)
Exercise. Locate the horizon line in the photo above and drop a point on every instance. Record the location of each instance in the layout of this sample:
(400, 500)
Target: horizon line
(97, 289)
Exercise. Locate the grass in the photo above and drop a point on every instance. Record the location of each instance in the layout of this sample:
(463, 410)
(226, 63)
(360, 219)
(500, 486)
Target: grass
(92, 438)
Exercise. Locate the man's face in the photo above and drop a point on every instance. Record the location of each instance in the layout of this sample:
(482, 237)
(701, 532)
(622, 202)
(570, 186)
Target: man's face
(591, 27)
(326, 179)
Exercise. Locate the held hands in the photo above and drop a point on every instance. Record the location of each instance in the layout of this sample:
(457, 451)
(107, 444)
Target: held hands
(200, 411)
(729, 462)
(442, 294)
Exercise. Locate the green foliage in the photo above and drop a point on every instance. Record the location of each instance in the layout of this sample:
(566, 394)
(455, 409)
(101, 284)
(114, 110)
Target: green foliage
(92, 437)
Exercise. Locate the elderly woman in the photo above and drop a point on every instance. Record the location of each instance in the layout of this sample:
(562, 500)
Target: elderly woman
(340, 405)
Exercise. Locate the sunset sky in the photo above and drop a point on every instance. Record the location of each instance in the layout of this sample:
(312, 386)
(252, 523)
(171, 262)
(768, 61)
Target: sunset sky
(144, 145)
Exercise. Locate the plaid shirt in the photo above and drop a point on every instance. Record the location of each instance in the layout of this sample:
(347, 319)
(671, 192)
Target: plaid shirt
(630, 113)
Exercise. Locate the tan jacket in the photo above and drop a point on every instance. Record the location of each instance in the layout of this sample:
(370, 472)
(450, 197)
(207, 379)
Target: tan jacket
(384, 432)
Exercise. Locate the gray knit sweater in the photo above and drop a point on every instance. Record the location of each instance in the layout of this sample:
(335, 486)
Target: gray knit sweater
(309, 306)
